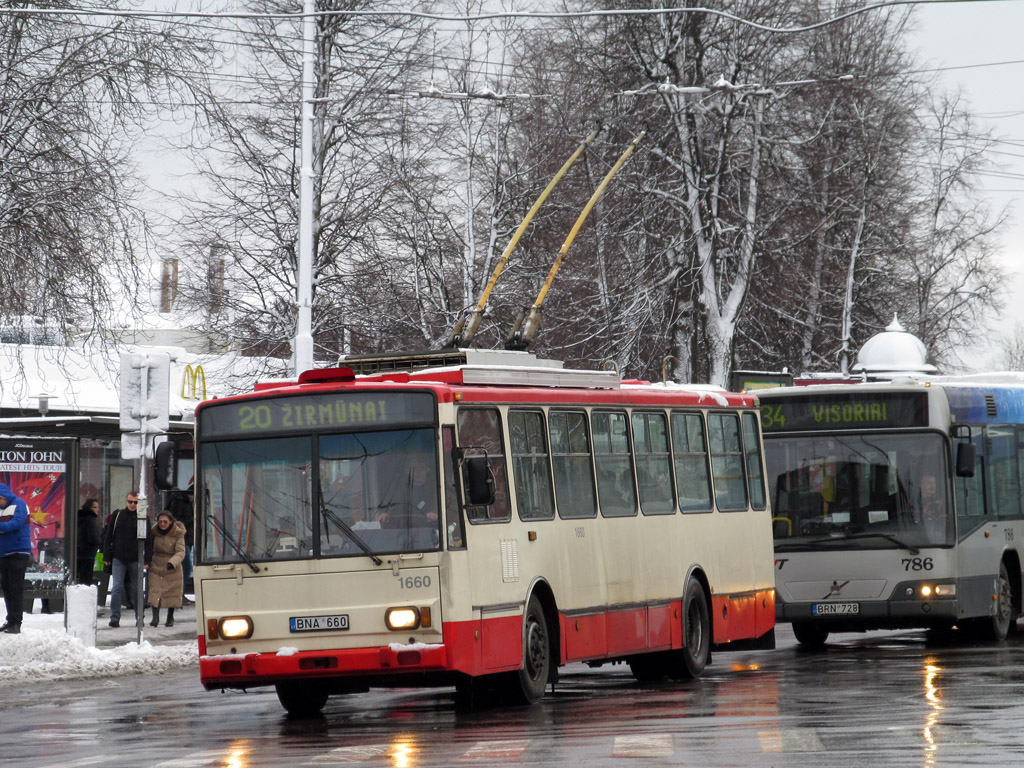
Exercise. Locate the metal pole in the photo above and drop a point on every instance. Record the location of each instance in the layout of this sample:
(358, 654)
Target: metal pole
(304, 278)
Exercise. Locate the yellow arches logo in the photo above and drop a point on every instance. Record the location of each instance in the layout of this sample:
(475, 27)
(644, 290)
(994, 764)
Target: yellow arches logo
(190, 383)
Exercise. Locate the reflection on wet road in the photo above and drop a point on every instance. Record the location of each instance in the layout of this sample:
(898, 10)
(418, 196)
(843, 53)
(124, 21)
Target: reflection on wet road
(888, 699)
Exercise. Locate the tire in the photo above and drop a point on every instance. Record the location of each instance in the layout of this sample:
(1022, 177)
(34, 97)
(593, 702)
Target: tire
(648, 668)
(810, 635)
(696, 651)
(995, 628)
(527, 685)
(302, 698)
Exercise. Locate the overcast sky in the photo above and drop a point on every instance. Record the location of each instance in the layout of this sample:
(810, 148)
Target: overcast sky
(962, 36)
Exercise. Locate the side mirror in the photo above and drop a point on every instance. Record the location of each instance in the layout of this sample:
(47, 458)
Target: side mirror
(479, 481)
(165, 466)
(966, 455)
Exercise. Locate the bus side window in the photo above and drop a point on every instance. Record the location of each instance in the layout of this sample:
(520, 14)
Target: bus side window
(453, 515)
(480, 430)
(614, 468)
(531, 465)
(653, 463)
(727, 471)
(970, 491)
(689, 452)
(755, 470)
(572, 463)
(1003, 477)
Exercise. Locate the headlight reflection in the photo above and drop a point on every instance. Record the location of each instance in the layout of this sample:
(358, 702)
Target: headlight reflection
(404, 752)
(933, 696)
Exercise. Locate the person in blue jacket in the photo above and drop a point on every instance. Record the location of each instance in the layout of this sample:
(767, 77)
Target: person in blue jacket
(15, 556)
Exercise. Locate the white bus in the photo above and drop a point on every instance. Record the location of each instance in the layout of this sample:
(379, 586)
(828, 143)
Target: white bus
(897, 505)
(475, 525)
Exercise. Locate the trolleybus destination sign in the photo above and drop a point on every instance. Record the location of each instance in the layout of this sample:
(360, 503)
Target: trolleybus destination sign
(348, 410)
(854, 410)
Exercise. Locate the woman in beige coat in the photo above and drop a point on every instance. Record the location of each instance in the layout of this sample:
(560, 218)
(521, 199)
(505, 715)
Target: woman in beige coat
(166, 583)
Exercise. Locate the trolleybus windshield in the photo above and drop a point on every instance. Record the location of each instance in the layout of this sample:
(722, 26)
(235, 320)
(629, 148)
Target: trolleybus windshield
(859, 491)
(261, 499)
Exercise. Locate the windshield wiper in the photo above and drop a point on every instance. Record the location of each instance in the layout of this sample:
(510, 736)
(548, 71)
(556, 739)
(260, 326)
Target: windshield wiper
(866, 535)
(328, 515)
(223, 531)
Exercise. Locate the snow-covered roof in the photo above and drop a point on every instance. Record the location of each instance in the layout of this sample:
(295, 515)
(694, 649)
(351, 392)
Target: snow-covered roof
(85, 379)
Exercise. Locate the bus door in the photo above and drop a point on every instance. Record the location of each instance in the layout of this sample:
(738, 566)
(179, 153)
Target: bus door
(977, 554)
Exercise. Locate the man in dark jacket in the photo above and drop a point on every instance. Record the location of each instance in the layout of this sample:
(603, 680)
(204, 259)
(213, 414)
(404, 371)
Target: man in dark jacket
(15, 556)
(121, 553)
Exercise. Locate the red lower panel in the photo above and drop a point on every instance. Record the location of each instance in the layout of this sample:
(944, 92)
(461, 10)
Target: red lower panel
(744, 617)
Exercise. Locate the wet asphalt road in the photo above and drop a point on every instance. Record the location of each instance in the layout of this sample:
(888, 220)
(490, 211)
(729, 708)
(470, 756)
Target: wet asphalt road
(883, 699)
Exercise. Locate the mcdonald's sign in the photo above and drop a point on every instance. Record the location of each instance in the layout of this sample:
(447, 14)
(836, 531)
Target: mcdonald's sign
(190, 383)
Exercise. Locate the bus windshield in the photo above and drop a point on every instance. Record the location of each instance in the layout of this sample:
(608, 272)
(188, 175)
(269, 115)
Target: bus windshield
(859, 491)
(371, 493)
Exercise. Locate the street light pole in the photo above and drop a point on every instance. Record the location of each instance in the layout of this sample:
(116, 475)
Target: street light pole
(303, 347)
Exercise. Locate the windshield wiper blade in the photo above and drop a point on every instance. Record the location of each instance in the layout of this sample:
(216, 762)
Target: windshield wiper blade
(223, 531)
(867, 535)
(327, 514)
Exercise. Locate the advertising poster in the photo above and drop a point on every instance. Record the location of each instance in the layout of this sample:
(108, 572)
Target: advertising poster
(37, 470)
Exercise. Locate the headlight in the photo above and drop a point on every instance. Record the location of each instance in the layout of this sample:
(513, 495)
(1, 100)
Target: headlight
(235, 627)
(402, 618)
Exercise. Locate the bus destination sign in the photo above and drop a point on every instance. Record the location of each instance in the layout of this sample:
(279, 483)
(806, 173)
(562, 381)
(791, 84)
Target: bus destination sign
(854, 410)
(342, 410)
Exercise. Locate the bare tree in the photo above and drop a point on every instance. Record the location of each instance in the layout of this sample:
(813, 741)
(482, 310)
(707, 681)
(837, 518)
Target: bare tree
(75, 90)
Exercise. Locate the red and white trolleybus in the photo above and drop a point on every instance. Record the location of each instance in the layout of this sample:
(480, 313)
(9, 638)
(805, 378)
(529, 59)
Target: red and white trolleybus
(486, 520)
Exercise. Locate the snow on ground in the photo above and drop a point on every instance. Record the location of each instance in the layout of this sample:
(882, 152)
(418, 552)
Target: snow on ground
(44, 651)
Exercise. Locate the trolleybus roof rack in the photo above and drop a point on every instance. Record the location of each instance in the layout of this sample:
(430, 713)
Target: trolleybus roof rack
(496, 367)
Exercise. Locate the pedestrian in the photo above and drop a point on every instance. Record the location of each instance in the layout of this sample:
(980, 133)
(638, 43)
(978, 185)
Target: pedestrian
(89, 540)
(15, 556)
(166, 554)
(121, 554)
(182, 507)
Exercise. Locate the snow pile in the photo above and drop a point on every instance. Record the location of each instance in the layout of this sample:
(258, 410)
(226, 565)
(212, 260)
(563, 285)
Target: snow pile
(44, 651)
(81, 613)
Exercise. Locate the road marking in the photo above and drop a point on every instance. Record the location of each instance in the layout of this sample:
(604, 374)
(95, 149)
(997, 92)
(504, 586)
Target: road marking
(356, 754)
(495, 750)
(790, 740)
(648, 745)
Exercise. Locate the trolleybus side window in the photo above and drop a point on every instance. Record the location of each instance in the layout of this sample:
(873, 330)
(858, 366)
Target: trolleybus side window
(453, 515)
(970, 493)
(727, 472)
(689, 447)
(570, 456)
(531, 465)
(480, 432)
(615, 487)
(755, 470)
(1003, 478)
(653, 463)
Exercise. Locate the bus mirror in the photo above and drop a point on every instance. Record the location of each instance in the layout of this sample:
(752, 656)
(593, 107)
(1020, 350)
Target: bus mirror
(479, 482)
(966, 454)
(165, 466)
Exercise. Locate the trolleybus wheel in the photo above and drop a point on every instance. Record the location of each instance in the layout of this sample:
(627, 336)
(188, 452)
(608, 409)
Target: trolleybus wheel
(696, 651)
(997, 627)
(527, 685)
(811, 635)
(649, 667)
(302, 698)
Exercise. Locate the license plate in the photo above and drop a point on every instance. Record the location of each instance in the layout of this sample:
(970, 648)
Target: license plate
(318, 623)
(825, 609)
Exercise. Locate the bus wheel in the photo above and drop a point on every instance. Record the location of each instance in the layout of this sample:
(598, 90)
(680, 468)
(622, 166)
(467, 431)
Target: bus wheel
(648, 668)
(696, 651)
(996, 628)
(527, 685)
(810, 635)
(302, 698)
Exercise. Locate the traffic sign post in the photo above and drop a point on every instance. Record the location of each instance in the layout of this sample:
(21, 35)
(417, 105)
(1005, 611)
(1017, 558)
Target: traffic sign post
(145, 412)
